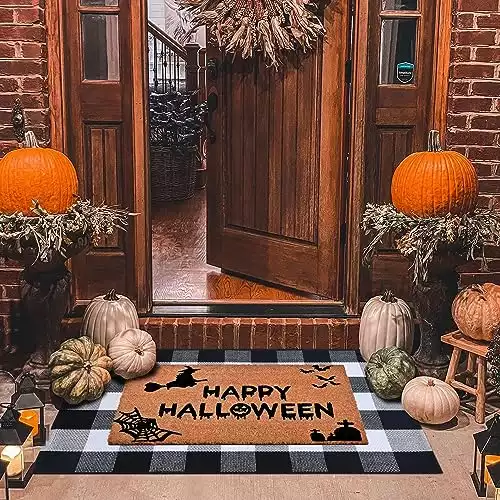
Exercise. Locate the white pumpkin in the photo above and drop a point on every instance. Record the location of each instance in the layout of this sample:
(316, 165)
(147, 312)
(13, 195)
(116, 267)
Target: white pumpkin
(386, 321)
(107, 315)
(133, 353)
(430, 400)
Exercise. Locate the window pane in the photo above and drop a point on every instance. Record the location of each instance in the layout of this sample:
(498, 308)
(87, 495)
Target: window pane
(397, 51)
(101, 49)
(399, 4)
(100, 3)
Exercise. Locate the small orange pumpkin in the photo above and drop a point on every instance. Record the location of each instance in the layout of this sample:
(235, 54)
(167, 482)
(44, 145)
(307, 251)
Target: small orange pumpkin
(434, 183)
(34, 173)
(476, 311)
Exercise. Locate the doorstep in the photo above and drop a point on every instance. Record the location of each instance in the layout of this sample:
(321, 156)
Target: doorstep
(243, 332)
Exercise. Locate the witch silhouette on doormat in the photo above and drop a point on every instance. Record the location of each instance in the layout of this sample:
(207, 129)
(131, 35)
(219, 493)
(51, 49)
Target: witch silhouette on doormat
(183, 380)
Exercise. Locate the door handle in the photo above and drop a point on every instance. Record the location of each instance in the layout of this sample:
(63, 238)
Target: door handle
(212, 105)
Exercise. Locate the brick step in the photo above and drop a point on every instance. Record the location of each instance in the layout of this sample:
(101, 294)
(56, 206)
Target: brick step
(244, 333)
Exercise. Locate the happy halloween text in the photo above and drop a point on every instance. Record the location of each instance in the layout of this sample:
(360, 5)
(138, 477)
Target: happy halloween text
(241, 409)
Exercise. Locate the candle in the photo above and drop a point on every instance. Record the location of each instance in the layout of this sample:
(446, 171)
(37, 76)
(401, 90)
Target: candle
(490, 460)
(14, 456)
(31, 418)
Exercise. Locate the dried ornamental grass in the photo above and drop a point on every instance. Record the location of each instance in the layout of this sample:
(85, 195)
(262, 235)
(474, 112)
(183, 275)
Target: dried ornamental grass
(421, 238)
(49, 232)
(246, 27)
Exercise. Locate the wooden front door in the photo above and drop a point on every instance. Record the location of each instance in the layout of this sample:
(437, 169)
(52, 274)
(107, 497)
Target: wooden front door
(276, 166)
(105, 105)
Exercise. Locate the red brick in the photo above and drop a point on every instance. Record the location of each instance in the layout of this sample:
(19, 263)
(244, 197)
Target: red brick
(473, 70)
(34, 84)
(245, 333)
(459, 88)
(477, 5)
(488, 54)
(34, 50)
(352, 334)
(9, 276)
(459, 149)
(5, 147)
(457, 121)
(307, 333)
(7, 306)
(7, 50)
(471, 137)
(292, 333)
(462, 20)
(22, 67)
(168, 333)
(483, 201)
(489, 21)
(197, 333)
(321, 334)
(31, 15)
(28, 33)
(6, 15)
(229, 326)
(475, 37)
(486, 88)
(470, 104)
(482, 169)
(337, 334)
(213, 333)
(460, 54)
(183, 333)
(27, 3)
(28, 101)
(276, 333)
(9, 84)
(491, 186)
(487, 122)
(260, 333)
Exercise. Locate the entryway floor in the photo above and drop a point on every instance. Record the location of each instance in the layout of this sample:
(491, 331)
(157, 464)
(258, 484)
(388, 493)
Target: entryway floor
(453, 448)
(180, 271)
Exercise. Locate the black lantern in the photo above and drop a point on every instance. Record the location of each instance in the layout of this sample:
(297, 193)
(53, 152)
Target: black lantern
(4, 487)
(487, 448)
(15, 440)
(30, 402)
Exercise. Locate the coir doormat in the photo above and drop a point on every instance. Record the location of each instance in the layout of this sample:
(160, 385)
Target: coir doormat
(78, 439)
(235, 404)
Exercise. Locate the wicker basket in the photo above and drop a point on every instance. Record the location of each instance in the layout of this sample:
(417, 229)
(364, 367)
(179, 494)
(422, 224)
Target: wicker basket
(173, 173)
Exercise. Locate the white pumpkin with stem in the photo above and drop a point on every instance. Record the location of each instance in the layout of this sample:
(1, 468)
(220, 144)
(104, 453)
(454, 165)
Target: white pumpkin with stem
(133, 353)
(430, 400)
(107, 315)
(386, 321)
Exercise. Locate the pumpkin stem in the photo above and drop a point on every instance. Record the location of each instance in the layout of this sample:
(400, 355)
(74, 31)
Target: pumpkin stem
(30, 140)
(388, 296)
(433, 142)
(139, 351)
(111, 295)
(430, 383)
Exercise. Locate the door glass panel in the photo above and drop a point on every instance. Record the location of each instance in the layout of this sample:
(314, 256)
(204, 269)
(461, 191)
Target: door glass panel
(99, 3)
(101, 48)
(397, 51)
(399, 4)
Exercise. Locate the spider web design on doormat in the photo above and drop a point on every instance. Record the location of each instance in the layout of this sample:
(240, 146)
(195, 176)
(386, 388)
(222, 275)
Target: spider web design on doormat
(78, 442)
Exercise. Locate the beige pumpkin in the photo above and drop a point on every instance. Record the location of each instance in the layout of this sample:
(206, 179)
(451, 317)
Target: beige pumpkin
(430, 400)
(133, 353)
(107, 315)
(476, 311)
(386, 321)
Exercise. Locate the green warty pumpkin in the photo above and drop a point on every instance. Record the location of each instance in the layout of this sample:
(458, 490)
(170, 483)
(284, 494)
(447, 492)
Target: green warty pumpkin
(80, 370)
(388, 371)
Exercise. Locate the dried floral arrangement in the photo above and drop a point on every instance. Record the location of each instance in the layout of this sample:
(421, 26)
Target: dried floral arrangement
(47, 232)
(248, 27)
(421, 238)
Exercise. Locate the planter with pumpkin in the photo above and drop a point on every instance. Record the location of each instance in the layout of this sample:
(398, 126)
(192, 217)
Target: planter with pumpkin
(42, 225)
(435, 223)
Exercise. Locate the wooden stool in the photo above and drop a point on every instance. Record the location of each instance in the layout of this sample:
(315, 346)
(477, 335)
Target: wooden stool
(476, 357)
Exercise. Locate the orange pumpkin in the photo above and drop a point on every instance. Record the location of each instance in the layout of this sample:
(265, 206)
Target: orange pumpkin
(476, 311)
(34, 173)
(434, 183)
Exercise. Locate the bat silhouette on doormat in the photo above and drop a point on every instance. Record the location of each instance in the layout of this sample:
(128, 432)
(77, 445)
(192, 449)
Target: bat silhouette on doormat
(327, 381)
(316, 368)
(183, 380)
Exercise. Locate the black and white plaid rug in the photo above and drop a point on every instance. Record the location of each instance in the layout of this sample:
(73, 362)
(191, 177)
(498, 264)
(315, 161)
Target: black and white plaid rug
(78, 441)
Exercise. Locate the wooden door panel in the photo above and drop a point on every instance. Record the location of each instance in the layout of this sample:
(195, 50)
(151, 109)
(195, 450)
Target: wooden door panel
(100, 135)
(275, 177)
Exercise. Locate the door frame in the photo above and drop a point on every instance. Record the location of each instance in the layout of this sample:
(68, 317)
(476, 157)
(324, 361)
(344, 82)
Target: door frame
(140, 226)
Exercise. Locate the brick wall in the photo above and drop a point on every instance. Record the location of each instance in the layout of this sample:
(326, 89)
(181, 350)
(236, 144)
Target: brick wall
(23, 74)
(474, 104)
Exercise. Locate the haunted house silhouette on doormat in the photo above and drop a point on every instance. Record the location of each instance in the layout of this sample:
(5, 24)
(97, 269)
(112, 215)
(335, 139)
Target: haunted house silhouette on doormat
(347, 432)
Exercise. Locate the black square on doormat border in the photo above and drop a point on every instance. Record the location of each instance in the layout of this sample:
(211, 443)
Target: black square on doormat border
(397, 444)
